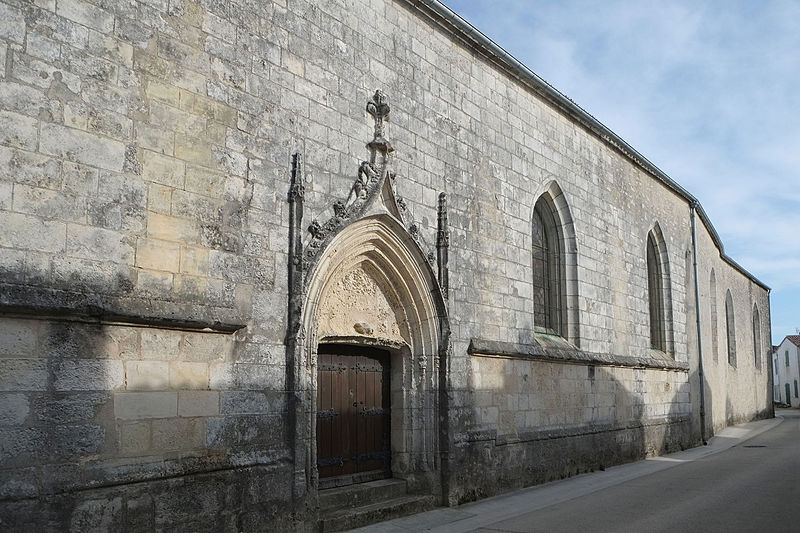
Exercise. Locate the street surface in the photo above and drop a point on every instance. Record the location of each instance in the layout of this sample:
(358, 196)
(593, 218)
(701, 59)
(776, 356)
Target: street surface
(739, 482)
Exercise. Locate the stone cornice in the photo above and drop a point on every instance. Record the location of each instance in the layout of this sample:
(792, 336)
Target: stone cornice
(56, 304)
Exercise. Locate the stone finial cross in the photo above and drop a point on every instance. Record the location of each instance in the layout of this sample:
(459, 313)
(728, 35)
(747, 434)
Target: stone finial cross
(378, 107)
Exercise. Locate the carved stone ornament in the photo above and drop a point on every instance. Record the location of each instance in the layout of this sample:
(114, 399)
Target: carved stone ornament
(414, 231)
(378, 107)
(339, 209)
(296, 191)
(373, 176)
(317, 233)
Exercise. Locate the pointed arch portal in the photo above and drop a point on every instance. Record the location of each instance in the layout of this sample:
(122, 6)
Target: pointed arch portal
(368, 334)
(372, 323)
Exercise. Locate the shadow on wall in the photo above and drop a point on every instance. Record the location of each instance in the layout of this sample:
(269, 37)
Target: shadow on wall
(526, 421)
(113, 427)
(708, 407)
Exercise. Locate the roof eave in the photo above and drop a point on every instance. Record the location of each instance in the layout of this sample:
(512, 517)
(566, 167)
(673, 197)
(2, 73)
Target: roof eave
(450, 21)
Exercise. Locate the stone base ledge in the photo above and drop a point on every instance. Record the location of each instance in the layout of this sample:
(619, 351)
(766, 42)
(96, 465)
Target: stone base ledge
(552, 349)
(563, 432)
(51, 479)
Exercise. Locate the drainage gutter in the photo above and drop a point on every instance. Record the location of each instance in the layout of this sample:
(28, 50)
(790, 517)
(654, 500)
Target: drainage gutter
(700, 374)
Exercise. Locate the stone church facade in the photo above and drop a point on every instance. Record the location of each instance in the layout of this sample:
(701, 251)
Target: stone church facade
(235, 277)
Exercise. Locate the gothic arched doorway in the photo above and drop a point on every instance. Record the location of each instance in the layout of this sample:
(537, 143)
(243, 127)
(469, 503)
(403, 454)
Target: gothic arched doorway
(370, 312)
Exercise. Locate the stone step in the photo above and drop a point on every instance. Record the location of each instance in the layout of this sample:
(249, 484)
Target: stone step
(361, 494)
(345, 519)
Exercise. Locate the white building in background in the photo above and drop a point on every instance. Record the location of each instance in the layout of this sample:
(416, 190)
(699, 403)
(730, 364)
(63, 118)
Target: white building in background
(786, 368)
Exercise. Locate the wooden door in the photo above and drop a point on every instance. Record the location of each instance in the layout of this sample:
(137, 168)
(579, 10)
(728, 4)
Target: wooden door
(353, 413)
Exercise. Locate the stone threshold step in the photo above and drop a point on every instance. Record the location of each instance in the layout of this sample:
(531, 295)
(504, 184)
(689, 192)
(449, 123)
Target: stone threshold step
(377, 512)
(361, 494)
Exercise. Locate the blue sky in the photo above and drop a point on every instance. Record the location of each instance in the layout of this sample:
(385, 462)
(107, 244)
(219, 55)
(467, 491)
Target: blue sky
(709, 91)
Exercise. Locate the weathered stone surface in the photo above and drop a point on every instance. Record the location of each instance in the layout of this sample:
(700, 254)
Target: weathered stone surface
(160, 345)
(18, 338)
(188, 375)
(198, 403)
(76, 441)
(70, 407)
(147, 375)
(44, 202)
(88, 242)
(242, 430)
(27, 167)
(206, 347)
(134, 437)
(86, 14)
(14, 409)
(31, 233)
(164, 170)
(81, 147)
(23, 375)
(158, 255)
(22, 99)
(178, 434)
(85, 374)
(140, 405)
(358, 305)
(12, 26)
(18, 131)
(172, 229)
(6, 192)
(97, 515)
(244, 376)
(19, 444)
(250, 402)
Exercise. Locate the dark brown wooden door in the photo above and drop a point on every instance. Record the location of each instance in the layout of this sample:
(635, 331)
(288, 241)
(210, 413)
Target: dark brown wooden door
(353, 415)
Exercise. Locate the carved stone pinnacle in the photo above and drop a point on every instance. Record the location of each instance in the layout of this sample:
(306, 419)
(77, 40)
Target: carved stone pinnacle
(296, 191)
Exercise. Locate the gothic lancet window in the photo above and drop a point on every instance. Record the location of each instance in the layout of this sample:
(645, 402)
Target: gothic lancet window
(655, 292)
(757, 337)
(730, 328)
(548, 270)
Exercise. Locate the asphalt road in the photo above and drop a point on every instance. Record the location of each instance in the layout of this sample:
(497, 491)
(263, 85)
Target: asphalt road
(753, 486)
(746, 479)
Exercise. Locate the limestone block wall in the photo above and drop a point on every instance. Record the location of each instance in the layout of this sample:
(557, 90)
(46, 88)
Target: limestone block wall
(512, 397)
(536, 421)
(734, 393)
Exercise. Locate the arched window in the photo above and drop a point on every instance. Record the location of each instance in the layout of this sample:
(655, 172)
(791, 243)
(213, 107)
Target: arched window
(730, 328)
(712, 289)
(549, 310)
(658, 291)
(757, 337)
